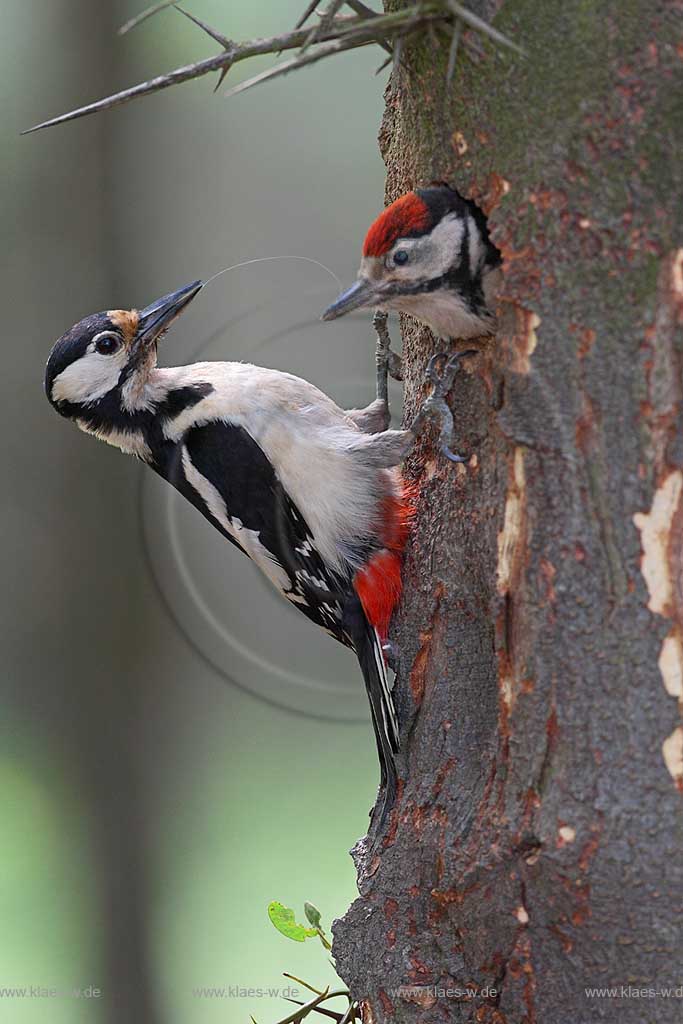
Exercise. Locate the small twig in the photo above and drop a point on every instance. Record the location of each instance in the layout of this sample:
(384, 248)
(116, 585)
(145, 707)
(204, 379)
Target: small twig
(360, 8)
(214, 33)
(318, 1009)
(433, 38)
(294, 63)
(388, 363)
(324, 24)
(453, 52)
(226, 43)
(308, 1007)
(299, 981)
(396, 55)
(183, 74)
(367, 12)
(139, 18)
(350, 1014)
(307, 13)
(385, 63)
(472, 19)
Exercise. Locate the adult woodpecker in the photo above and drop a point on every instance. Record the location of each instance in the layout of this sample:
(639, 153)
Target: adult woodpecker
(429, 254)
(310, 492)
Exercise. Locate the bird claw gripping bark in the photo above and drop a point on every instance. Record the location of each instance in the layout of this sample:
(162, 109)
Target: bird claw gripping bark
(435, 408)
(387, 361)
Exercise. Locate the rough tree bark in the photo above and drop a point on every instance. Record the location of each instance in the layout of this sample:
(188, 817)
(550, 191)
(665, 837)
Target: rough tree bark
(537, 847)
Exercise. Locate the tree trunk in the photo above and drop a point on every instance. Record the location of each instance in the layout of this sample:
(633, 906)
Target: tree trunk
(536, 851)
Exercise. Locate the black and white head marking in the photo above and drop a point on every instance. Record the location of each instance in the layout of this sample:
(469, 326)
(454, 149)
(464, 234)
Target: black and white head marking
(99, 373)
(428, 254)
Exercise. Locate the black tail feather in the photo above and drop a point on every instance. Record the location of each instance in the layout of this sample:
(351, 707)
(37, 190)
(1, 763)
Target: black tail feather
(368, 650)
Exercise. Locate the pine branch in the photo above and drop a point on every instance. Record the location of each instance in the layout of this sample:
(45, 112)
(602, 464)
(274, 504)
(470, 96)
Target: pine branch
(337, 33)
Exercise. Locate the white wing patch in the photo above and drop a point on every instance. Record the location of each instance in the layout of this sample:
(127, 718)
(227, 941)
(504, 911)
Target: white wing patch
(247, 539)
(477, 252)
(304, 434)
(388, 711)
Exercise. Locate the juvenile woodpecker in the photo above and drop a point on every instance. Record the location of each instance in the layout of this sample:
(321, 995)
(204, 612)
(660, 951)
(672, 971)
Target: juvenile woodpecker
(310, 492)
(429, 254)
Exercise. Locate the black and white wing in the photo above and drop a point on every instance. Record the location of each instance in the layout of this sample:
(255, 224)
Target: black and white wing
(224, 473)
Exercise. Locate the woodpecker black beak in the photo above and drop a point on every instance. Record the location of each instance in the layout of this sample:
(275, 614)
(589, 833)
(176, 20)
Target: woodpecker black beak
(359, 296)
(158, 317)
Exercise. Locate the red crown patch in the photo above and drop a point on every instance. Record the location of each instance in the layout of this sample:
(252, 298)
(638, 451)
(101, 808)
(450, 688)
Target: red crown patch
(408, 215)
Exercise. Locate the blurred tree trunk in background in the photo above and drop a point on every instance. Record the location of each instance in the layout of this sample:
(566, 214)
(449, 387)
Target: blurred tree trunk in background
(537, 849)
(97, 706)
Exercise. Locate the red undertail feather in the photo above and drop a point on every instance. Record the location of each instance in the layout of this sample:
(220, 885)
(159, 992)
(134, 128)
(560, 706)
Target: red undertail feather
(407, 216)
(379, 583)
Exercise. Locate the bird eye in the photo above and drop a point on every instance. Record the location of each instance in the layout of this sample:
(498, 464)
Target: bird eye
(107, 344)
(401, 257)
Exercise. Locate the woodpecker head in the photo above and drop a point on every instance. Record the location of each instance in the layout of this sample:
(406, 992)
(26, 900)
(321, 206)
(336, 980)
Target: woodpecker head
(428, 254)
(98, 370)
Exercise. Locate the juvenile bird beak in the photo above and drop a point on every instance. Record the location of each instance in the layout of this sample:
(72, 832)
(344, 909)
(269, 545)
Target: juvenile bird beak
(358, 296)
(157, 317)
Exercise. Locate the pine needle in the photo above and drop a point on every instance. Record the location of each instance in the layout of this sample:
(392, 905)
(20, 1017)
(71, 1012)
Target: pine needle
(218, 36)
(307, 13)
(148, 13)
(475, 22)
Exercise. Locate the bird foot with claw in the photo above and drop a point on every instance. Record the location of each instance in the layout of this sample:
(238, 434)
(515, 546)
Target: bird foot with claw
(440, 373)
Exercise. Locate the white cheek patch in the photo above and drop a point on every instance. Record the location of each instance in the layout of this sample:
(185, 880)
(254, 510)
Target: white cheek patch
(88, 378)
(476, 244)
(432, 256)
(442, 247)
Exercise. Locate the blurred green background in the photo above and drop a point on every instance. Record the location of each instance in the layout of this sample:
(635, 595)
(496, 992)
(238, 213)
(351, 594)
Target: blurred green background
(151, 809)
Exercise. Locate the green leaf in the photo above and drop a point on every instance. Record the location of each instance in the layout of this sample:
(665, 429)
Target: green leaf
(312, 914)
(283, 919)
